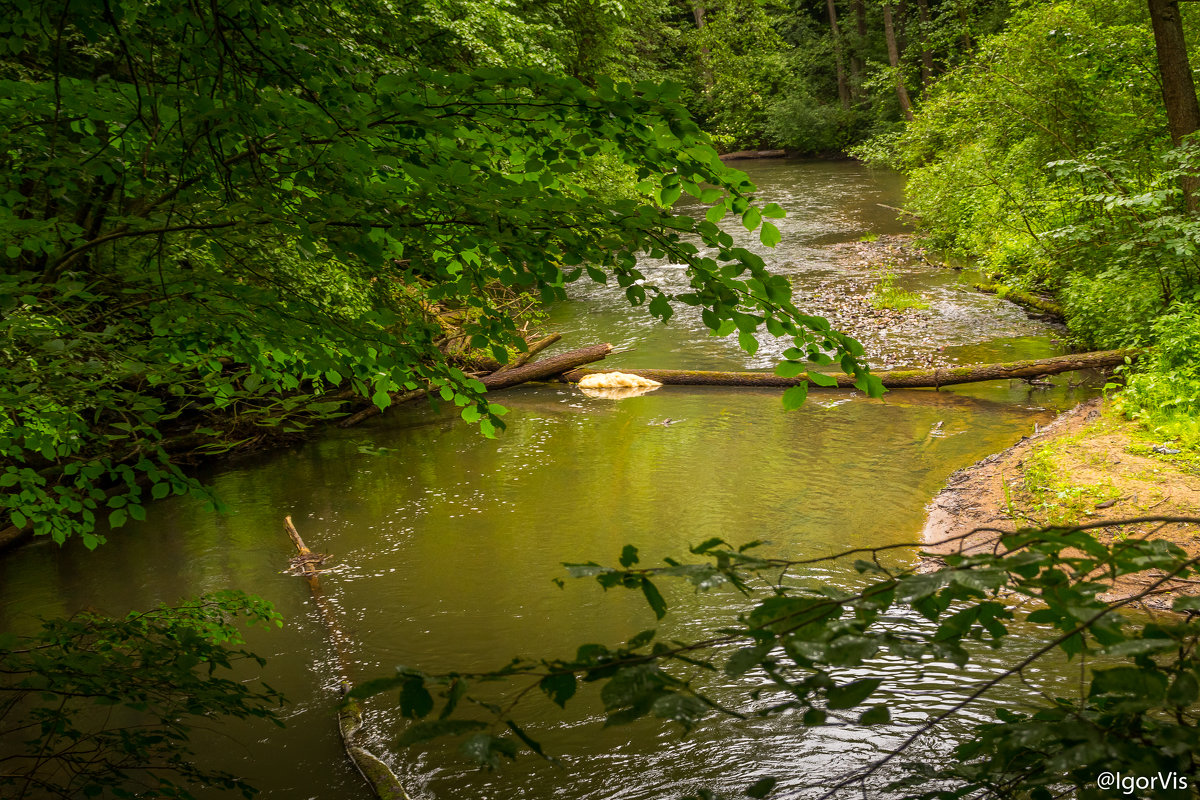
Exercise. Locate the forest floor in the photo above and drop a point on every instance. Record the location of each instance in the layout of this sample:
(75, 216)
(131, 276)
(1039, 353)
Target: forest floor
(1089, 465)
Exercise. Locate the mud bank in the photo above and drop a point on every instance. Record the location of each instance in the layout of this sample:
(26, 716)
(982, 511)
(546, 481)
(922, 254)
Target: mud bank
(1088, 465)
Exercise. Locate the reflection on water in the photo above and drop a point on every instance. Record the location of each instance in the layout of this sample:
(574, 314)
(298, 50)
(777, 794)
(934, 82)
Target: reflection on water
(447, 543)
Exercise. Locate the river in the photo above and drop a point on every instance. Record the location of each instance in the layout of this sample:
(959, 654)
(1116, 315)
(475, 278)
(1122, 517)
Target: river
(446, 543)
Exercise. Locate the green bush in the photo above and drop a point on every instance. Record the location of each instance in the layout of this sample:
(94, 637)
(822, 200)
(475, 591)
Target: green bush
(1163, 392)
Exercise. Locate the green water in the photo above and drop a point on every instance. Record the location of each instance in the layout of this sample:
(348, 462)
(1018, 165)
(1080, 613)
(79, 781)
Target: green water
(446, 543)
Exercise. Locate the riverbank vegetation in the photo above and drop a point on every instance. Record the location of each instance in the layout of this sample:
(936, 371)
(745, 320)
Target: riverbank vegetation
(223, 225)
(1052, 157)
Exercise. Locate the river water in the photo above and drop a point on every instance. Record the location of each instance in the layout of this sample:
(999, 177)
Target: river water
(447, 543)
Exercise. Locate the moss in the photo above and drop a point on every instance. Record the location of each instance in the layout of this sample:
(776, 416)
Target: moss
(1022, 298)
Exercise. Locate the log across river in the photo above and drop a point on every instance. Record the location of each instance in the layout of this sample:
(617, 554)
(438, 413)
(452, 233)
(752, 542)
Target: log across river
(567, 366)
(892, 379)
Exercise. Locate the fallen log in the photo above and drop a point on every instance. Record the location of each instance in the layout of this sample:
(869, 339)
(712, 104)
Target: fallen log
(893, 379)
(546, 368)
(538, 370)
(901, 211)
(739, 155)
(534, 349)
(1022, 298)
(383, 781)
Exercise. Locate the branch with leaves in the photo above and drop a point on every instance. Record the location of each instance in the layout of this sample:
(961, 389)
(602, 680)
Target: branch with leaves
(1143, 674)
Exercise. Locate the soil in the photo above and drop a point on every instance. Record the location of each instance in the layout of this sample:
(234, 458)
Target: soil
(1118, 475)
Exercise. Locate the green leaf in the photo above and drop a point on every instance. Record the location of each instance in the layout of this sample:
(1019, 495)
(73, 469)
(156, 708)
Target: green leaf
(761, 787)
(769, 235)
(529, 742)
(629, 556)
(746, 659)
(458, 690)
(681, 708)
(751, 218)
(661, 307)
(560, 687)
(822, 379)
(1147, 685)
(794, 396)
(876, 715)
(773, 211)
(748, 342)
(790, 369)
(641, 639)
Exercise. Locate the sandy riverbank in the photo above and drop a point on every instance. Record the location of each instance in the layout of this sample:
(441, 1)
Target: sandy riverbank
(1088, 465)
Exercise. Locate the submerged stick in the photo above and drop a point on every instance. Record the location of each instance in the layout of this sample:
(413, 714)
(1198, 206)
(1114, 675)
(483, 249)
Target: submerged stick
(383, 781)
(893, 379)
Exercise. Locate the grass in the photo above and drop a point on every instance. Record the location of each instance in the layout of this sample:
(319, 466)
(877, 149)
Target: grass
(1057, 500)
(887, 294)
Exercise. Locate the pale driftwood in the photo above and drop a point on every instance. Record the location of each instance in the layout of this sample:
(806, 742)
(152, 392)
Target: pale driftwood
(894, 379)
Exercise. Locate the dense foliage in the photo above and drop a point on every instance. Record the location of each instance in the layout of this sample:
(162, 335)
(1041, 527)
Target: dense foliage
(1048, 158)
(223, 222)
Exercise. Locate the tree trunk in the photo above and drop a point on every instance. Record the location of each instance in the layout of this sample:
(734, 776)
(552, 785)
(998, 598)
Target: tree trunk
(857, 47)
(926, 54)
(534, 349)
(502, 380)
(698, 12)
(965, 37)
(894, 379)
(889, 32)
(838, 58)
(547, 368)
(1178, 90)
(1026, 299)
